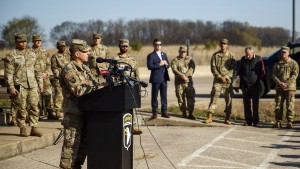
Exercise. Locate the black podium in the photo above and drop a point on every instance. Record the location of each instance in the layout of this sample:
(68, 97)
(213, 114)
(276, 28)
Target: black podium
(109, 125)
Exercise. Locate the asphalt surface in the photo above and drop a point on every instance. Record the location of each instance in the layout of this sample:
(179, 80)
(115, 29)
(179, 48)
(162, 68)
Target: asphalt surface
(171, 143)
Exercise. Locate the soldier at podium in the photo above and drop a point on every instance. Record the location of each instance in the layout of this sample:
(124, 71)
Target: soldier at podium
(76, 80)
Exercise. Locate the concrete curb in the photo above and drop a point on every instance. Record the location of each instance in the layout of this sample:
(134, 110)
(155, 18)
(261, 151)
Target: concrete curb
(177, 121)
(27, 145)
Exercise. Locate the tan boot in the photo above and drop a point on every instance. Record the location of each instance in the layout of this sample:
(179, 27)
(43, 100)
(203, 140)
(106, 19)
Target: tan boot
(289, 125)
(13, 121)
(277, 125)
(23, 132)
(58, 114)
(227, 119)
(209, 118)
(35, 132)
(136, 130)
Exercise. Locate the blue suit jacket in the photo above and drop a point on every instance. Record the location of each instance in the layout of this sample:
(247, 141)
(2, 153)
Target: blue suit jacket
(158, 73)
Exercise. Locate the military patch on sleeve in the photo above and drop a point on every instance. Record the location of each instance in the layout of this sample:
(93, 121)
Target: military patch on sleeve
(70, 77)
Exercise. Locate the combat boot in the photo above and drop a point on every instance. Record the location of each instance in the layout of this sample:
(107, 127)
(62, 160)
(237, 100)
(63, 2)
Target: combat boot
(35, 132)
(136, 131)
(23, 132)
(289, 125)
(209, 118)
(51, 115)
(277, 125)
(191, 116)
(58, 114)
(13, 121)
(184, 115)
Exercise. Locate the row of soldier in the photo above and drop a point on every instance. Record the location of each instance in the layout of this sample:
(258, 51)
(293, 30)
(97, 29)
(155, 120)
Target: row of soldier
(251, 71)
(27, 76)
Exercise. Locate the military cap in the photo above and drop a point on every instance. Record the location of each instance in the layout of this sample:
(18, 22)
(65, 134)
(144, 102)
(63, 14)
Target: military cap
(225, 41)
(60, 43)
(36, 37)
(285, 49)
(182, 49)
(96, 35)
(123, 42)
(80, 45)
(20, 37)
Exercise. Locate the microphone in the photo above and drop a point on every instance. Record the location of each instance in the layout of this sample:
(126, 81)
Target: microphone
(101, 60)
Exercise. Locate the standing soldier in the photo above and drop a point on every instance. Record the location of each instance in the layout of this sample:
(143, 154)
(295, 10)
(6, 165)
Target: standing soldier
(76, 80)
(285, 73)
(222, 67)
(24, 81)
(43, 60)
(98, 50)
(123, 56)
(58, 61)
(183, 68)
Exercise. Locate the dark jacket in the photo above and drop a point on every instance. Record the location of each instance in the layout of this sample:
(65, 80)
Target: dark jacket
(158, 73)
(251, 71)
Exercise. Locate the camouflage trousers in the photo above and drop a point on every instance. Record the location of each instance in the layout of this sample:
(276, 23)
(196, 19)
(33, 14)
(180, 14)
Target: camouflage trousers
(12, 107)
(289, 97)
(185, 94)
(74, 149)
(57, 96)
(45, 101)
(26, 104)
(215, 94)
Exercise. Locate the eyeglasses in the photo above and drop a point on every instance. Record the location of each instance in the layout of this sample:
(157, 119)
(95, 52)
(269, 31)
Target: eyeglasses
(157, 44)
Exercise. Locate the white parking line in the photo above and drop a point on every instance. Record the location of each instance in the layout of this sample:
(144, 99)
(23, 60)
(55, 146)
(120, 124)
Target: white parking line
(253, 132)
(240, 150)
(189, 158)
(227, 161)
(275, 151)
(242, 140)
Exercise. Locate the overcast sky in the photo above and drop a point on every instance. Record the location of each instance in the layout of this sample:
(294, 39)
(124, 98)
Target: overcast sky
(49, 13)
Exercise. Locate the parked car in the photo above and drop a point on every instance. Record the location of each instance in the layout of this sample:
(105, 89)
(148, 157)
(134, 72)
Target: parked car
(267, 83)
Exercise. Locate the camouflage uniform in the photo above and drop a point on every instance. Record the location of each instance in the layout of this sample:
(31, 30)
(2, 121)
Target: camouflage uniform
(76, 80)
(286, 72)
(185, 91)
(222, 64)
(43, 60)
(22, 73)
(58, 61)
(132, 62)
(124, 57)
(98, 51)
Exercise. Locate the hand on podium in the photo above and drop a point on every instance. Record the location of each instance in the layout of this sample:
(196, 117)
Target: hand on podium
(102, 85)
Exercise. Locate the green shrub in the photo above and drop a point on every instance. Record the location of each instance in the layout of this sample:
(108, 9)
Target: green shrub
(136, 45)
(208, 45)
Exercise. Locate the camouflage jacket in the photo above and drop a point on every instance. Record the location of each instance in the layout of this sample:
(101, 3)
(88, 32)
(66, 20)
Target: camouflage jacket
(75, 80)
(222, 64)
(131, 61)
(58, 61)
(182, 66)
(96, 52)
(43, 59)
(286, 72)
(21, 68)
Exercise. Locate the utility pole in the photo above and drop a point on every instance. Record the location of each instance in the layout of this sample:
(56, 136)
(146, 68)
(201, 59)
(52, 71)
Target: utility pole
(294, 38)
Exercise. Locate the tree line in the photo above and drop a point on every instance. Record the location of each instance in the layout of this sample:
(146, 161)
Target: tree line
(170, 31)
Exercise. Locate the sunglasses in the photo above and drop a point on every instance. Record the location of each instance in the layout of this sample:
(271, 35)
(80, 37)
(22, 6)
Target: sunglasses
(157, 44)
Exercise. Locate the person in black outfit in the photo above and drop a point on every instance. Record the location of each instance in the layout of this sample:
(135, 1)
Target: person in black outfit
(251, 71)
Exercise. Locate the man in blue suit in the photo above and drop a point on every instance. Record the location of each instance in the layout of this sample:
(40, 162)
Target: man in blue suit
(157, 62)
